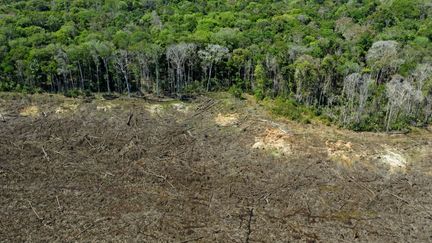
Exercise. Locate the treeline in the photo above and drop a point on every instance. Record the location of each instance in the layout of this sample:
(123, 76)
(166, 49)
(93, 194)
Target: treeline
(365, 64)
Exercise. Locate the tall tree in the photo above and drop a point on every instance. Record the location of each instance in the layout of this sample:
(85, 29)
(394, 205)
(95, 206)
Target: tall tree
(383, 58)
(177, 56)
(122, 62)
(211, 56)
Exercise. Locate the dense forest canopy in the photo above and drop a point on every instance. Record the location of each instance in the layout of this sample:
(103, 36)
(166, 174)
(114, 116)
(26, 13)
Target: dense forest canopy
(365, 64)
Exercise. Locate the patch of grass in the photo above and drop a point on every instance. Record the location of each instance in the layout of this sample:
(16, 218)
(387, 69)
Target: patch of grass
(20, 88)
(236, 92)
(195, 87)
(73, 93)
(291, 109)
(225, 100)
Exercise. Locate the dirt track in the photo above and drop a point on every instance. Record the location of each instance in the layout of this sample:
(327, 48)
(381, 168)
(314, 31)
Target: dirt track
(212, 170)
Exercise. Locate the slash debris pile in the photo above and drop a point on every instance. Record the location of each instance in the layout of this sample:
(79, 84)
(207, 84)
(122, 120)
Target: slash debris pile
(122, 170)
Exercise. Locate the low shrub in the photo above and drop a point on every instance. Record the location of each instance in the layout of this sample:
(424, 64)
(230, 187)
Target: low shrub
(73, 93)
(292, 110)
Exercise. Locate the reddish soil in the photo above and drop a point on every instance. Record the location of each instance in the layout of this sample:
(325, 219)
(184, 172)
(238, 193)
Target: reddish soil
(131, 170)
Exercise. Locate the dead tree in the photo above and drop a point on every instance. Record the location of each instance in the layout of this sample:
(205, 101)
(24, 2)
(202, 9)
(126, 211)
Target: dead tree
(400, 94)
(422, 79)
(383, 58)
(122, 63)
(177, 56)
(356, 93)
(272, 66)
(211, 56)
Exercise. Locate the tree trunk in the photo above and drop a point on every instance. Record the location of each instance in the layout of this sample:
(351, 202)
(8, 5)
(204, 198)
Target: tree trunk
(97, 78)
(127, 83)
(209, 77)
(157, 79)
(72, 80)
(390, 111)
(178, 78)
(107, 75)
(378, 77)
(81, 76)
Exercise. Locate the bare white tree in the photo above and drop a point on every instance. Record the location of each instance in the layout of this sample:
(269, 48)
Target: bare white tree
(122, 62)
(211, 56)
(177, 56)
(422, 74)
(272, 66)
(401, 94)
(383, 58)
(422, 78)
(356, 91)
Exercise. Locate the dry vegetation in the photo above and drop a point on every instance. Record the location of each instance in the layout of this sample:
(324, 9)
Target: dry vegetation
(214, 169)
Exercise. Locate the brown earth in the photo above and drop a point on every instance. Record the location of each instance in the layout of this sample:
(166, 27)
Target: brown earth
(216, 169)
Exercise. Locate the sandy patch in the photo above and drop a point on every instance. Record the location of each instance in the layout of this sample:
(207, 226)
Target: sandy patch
(342, 152)
(30, 111)
(66, 108)
(394, 159)
(227, 119)
(180, 107)
(154, 109)
(105, 107)
(274, 139)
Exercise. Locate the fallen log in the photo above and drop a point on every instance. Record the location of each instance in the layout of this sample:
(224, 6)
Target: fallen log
(130, 119)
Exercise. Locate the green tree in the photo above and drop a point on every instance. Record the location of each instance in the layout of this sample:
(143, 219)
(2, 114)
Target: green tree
(260, 81)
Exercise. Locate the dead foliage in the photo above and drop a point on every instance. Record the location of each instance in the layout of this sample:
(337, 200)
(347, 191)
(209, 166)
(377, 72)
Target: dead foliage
(125, 174)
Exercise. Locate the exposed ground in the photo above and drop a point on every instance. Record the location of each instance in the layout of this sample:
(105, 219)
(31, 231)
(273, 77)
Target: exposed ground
(215, 169)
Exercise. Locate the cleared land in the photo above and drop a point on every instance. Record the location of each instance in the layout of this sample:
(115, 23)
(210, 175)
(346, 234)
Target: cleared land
(213, 169)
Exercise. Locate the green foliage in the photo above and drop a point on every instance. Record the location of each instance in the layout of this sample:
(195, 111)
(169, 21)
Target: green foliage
(373, 122)
(73, 93)
(6, 86)
(236, 92)
(292, 110)
(195, 87)
(261, 81)
(300, 50)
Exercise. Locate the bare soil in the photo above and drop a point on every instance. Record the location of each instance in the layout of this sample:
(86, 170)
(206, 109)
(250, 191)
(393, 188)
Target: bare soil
(215, 169)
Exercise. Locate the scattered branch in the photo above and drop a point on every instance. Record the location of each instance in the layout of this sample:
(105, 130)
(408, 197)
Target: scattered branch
(45, 154)
(34, 211)
(129, 119)
(159, 176)
(89, 226)
(195, 239)
(249, 225)
(58, 203)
